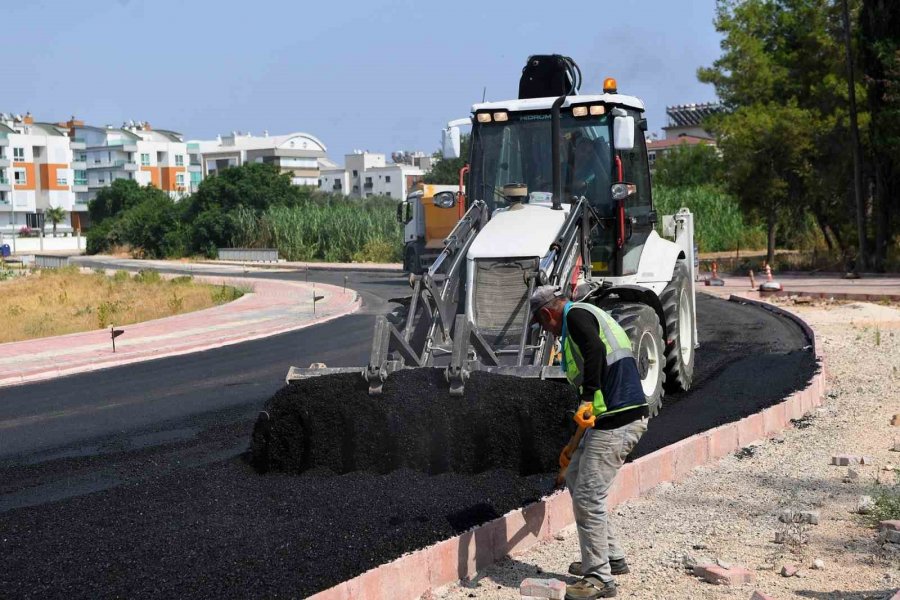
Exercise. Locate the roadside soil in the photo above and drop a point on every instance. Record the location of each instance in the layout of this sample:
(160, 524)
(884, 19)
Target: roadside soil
(59, 302)
(728, 510)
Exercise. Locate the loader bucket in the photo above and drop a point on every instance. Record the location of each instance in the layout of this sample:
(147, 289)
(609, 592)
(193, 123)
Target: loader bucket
(331, 423)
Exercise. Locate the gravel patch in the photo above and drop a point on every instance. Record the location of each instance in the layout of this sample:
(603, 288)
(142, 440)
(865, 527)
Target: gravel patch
(730, 510)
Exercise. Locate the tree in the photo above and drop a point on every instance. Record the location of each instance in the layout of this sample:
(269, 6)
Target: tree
(782, 69)
(446, 170)
(121, 195)
(56, 215)
(689, 165)
(879, 37)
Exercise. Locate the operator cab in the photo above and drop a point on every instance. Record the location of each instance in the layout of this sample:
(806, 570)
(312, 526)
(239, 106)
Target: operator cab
(601, 143)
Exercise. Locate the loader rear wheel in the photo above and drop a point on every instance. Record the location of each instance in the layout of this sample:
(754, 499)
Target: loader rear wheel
(677, 306)
(642, 325)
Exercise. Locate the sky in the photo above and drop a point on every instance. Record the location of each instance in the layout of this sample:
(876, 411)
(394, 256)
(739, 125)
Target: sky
(376, 75)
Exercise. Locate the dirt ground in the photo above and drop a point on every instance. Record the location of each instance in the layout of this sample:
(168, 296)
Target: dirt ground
(728, 510)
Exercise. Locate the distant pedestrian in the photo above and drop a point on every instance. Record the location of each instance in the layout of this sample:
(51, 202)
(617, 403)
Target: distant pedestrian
(598, 361)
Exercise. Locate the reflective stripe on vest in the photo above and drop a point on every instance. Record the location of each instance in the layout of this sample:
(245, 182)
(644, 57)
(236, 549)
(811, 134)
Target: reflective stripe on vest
(615, 341)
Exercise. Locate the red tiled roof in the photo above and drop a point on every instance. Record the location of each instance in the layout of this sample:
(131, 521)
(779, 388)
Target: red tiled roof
(671, 142)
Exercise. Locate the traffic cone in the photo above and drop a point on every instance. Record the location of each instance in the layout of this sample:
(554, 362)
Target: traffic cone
(770, 285)
(714, 279)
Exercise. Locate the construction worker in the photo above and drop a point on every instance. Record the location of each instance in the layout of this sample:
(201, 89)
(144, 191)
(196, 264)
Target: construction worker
(598, 361)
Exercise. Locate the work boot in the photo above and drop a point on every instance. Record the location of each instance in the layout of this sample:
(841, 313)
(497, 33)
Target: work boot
(590, 588)
(617, 566)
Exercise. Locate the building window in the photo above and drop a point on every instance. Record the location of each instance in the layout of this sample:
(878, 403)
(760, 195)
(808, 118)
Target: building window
(34, 220)
(80, 178)
(20, 177)
(387, 179)
(355, 173)
(145, 160)
(179, 179)
(3, 198)
(19, 154)
(61, 178)
(388, 194)
(369, 180)
(179, 160)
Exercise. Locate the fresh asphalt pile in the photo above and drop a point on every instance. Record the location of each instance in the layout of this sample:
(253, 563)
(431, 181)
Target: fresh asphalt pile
(331, 422)
(192, 519)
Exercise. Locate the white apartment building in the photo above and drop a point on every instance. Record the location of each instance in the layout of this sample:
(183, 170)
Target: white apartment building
(299, 154)
(367, 174)
(35, 175)
(134, 151)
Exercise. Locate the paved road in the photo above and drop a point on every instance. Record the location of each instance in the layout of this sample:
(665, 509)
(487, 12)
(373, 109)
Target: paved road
(68, 410)
(101, 494)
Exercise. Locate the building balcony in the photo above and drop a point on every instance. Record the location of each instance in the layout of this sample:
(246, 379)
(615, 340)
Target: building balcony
(101, 183)
(130, 166)
(112, 164)
(195, 168)
(78, 165)
(77, 144)
(4, 161)
(4, 186)
(367, 186)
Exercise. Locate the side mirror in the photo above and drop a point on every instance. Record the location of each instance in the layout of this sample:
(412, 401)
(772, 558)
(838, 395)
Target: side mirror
(404, 213)
(623, 191)
(450, 142)
(445, 199)
(623, 133)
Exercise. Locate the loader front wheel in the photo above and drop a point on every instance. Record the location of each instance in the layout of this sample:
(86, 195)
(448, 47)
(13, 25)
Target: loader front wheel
(678, 308)
(642, 325)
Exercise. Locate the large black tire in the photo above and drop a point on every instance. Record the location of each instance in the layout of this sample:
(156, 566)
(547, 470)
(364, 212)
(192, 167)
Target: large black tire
(642, 325)
(412, 261)
(680, 342)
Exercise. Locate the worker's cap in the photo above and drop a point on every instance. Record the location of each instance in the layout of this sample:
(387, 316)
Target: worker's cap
(542, 296)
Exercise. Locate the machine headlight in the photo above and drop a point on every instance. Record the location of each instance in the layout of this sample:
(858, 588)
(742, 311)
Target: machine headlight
(500, 117)
(597, 110)
(579, 111)
(483, 117)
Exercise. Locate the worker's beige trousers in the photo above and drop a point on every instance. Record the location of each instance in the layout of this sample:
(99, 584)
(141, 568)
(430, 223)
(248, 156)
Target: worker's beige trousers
(593, 467)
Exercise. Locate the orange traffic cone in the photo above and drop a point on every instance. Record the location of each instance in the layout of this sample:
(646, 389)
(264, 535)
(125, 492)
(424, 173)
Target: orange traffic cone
(714, 279)
(770, 285)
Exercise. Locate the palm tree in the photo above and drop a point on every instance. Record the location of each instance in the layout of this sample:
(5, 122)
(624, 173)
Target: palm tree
(56, 214)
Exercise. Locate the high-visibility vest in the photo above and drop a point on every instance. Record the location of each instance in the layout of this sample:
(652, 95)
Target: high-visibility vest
(618, 348)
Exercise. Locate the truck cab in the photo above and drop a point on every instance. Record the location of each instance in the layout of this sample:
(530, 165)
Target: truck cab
(428, 215)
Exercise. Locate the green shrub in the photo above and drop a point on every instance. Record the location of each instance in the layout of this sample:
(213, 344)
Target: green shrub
(887, 504)
(121, 276)
(147, 276)
(181, 280)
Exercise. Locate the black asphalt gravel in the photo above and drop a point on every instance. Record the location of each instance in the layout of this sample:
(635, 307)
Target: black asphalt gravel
(171, 508)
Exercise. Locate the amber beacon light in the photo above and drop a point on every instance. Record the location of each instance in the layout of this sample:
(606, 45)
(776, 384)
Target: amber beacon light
(609, 86)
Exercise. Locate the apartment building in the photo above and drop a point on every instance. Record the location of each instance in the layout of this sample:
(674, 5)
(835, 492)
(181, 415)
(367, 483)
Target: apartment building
(134, 151)
(36, 174)
(367, 174)
(299, 154)
(685, 126)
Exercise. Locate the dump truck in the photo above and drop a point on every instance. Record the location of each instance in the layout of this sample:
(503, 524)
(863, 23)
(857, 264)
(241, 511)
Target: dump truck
(558, 192)
(428, 215)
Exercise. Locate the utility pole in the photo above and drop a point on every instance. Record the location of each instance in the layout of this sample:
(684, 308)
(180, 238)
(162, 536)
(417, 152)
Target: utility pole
(854, 141)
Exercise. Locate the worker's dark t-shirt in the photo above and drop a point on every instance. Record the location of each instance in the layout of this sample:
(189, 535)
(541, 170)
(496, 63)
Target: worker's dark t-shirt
(622, 380)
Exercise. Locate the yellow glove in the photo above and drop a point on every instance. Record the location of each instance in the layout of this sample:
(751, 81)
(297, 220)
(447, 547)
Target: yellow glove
(584, 416)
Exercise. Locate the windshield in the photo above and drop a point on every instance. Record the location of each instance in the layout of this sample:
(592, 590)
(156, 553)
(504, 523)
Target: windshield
(518, 151)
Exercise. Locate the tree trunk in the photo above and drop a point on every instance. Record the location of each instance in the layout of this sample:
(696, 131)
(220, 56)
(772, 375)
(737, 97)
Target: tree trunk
(823, 226)
(770, 235)
(882, 216)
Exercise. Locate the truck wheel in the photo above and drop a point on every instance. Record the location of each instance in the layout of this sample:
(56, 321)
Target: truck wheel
(676, 302)
(642, 325)
(413, 262)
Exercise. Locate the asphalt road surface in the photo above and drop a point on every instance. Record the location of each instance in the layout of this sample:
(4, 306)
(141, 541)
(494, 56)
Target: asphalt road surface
(130, 481)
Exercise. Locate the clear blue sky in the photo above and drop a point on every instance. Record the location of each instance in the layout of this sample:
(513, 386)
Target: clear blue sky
(374, 75)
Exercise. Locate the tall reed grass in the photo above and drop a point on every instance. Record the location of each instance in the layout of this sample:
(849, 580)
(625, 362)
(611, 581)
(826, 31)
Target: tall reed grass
(332, 230)
(719, 224)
